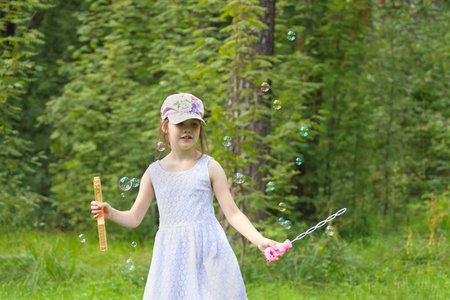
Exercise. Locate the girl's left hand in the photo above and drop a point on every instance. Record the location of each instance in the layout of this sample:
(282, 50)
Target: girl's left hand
(265, 242)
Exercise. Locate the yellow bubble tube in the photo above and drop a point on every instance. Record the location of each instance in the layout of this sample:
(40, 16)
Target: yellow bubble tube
(100, 218)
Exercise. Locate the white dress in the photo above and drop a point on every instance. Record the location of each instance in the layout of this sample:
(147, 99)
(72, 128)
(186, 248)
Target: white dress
(192, 258)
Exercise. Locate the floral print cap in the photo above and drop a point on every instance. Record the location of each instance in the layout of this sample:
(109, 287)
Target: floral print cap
(181, 107)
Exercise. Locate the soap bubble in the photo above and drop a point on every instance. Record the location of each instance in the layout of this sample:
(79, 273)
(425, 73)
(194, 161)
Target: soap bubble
(129, 264)
(226, 141)
(287, 224)
(161, 147)
(239, 178)
(298, 161)
(282, 206)
(124, 183)
(329, 230)
(281, 221)
(291, 35)
(134, 182)
(82, 238)
(277, 104)
(265, 87)
(270, 186)
(133, 244)
(304, 131)
(122, 195)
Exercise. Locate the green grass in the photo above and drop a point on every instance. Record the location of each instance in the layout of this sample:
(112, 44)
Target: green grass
(398, 266)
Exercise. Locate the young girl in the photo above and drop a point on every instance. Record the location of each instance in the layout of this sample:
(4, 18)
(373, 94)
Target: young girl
(192, 258)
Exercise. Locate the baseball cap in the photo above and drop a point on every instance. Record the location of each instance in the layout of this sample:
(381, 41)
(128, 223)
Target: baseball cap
(181, 107)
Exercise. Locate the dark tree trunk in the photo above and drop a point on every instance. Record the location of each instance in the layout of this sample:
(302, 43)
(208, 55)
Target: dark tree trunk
(262, 125)
(241, 91)
(9, 30)
(238, 92)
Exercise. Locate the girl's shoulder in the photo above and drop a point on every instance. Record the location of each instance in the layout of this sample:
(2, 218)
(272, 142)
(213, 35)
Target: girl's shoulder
(207, 157)
(211, 162)
(152, 165)
(213, 165)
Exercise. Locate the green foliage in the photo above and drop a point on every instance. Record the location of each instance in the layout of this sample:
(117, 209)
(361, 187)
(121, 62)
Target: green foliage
(19, 43)
(382, 80)
(369, 81)
(47, 83)
(100, 115)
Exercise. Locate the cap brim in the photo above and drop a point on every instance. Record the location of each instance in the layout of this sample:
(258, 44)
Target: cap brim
(178, 117)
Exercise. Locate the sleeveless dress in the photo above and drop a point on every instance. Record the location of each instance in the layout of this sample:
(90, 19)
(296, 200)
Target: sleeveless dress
(192, 258)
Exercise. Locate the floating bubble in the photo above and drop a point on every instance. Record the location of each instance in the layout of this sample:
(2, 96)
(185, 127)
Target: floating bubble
(226, 141)
(281, 221)
(82, 238)
(265, 87)
(239, 178)
(124, 183)
(122, 195)
(277, 104)
(287, 224)
(282, 206)
(329, 230)
(129, 264)
(298, 161)
(133, 244)
(270, 186)
(291, 35)
(134, 182)
(304, 131)
(161, 147)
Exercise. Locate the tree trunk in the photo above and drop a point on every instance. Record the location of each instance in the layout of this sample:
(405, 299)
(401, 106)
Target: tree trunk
(242, 90)
(237, 85)
(261, 126)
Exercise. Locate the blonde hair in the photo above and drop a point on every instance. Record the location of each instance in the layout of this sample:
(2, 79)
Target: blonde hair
(204, 148)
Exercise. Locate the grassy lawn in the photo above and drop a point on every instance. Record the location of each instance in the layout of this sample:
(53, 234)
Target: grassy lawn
(59, 266)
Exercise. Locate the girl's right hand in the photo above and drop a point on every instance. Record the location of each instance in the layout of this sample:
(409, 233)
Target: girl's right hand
(97, 208)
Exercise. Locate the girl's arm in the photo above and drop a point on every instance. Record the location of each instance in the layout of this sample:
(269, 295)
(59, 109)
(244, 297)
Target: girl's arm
(133, 217)
(236, 218)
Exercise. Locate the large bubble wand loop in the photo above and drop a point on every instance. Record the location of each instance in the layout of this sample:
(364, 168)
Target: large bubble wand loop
(273, 255)
(100, 218)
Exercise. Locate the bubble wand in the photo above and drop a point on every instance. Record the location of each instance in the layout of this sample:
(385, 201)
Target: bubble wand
(100, 218)
(272, 254)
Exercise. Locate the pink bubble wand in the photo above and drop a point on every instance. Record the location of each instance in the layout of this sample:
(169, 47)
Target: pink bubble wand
(272, 255)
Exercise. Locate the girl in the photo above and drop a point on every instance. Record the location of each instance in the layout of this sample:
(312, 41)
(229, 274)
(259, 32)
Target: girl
(192, 258)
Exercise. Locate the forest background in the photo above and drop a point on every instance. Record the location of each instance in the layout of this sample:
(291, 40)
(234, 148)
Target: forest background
(81, 86)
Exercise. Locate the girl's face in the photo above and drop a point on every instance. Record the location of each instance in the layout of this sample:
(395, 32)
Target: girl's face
(184, 135)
